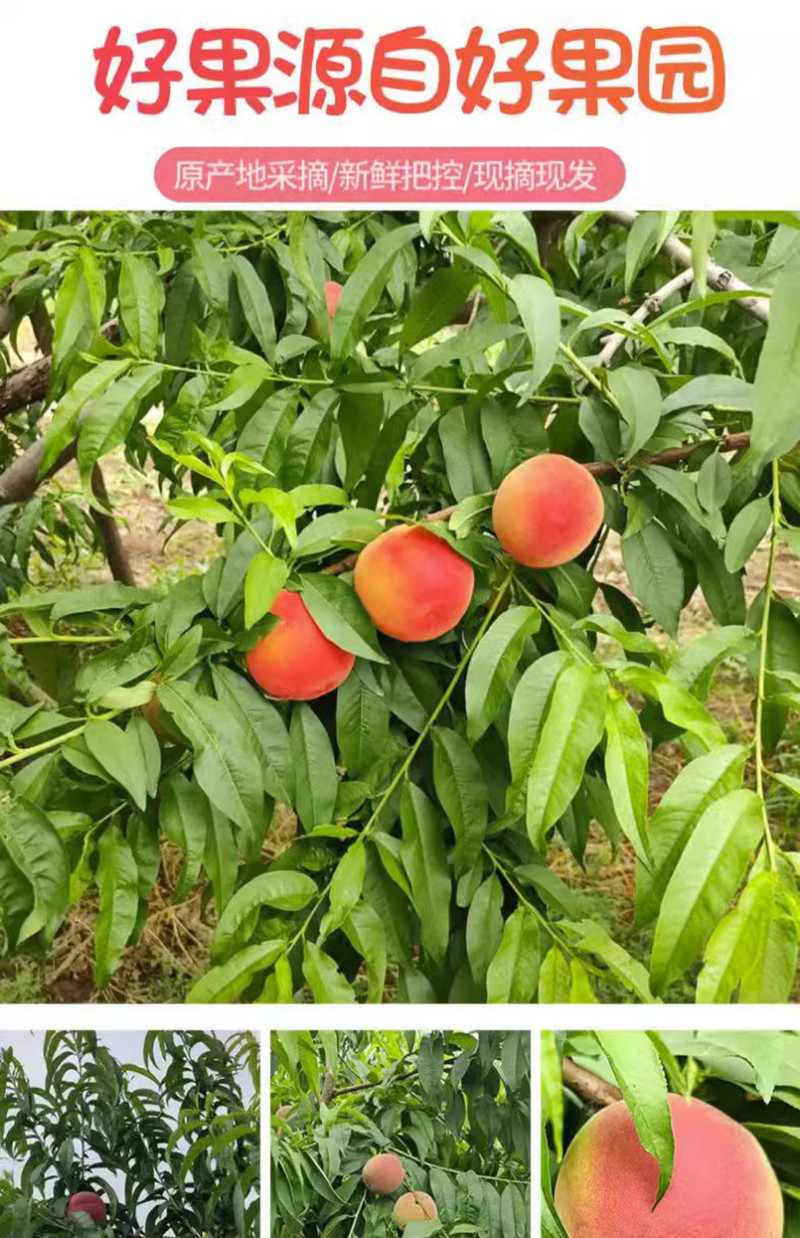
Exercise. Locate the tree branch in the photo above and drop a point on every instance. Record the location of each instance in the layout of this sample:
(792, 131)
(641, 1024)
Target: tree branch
(598, 468)
(589, 1087)
(107, 527)
(32, 382)
(24, 386)
(649, 307)
(719, 278)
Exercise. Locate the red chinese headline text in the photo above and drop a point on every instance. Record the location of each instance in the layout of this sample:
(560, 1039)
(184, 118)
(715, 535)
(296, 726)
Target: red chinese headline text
(227, 71)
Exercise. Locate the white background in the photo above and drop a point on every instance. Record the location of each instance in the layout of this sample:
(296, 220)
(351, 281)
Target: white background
(60, 152)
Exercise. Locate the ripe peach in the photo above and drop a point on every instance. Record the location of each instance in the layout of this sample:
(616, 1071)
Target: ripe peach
(547, 510)
(414, 1206)
(332, 292)
(722, 1187)
(89, 1203)
(283, 1112)
(383, 1173)
(412, 584)
(295, 661)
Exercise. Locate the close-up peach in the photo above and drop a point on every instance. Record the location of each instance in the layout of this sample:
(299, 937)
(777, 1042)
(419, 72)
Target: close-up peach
(547, 510)
(295, 661)
(723, 1186)
(413, 585)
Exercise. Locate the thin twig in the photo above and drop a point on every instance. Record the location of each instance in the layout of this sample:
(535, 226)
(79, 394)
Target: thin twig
(718, 277)
(598, 468)
(589, 1087)
(646, 310)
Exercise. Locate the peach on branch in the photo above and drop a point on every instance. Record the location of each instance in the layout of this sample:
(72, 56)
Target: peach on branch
(384, 1173)
(413, 585)
(722, 1186)
(547, 510)
(414, 1206)
(295, 661)
(89, 1203)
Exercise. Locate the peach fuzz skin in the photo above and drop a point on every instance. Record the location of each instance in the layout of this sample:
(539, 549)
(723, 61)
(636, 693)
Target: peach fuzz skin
(295, 661)
(412, 584)
(87, 1203)
(384, 1173)
(722, 1186)
(414, 1206)
(547, 510)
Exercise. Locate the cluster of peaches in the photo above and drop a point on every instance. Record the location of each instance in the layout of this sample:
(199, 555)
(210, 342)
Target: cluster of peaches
(415, 587)
(383, 1175)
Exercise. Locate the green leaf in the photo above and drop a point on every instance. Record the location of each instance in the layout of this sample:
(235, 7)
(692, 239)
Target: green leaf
(326, 982)
(38, 853)
(679, 706)
(201, 507)
(284, 890)
(212, 270)
(363, 289)
(513, 973)
(228, 981)
(362, 724)
(118, 884)
(314, 767)
(422, 854)
(114, 413)
(748, 527)
(484, 927)
(64, 422)
(705, 880)
(463, 794)
(365, 930)
(118, 753)
(571, 732)
(627, 765)
(639, 397)
(335, 608)
(541, 317)
(436, 304)
(637, 1069)
(265, 578)
(255, 305)
(776, 398)
(264, 726)
(752, 953)
(225, 765)
(655, 573)
(345, 889)
(141, 300)
(493, 663)
(696, 787)
(592, 938)
(185, 818)
(79, 307)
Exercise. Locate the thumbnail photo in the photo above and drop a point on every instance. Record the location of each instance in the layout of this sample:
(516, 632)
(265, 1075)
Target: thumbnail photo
(399, 606)
(129, 1135)
(379, 1133)
(671, 1134)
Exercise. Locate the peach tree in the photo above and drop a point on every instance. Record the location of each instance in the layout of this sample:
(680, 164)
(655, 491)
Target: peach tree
(168, 1148)
(312, 386)
(366, 1124)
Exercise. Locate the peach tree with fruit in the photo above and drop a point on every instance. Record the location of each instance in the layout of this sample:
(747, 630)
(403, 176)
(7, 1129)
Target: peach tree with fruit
(383, 1134)
(661, 1134)
(470, 479)
(163, 1147)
